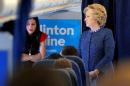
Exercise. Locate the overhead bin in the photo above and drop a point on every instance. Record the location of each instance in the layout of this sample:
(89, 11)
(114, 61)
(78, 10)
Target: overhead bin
(8, 8)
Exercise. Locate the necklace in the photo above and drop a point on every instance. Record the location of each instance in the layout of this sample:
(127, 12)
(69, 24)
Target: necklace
(30, 50)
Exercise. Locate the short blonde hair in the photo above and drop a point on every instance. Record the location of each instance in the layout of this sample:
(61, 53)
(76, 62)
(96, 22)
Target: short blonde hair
(100, 13)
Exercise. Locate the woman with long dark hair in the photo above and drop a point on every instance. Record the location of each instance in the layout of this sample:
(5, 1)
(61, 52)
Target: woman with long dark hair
(34, 49)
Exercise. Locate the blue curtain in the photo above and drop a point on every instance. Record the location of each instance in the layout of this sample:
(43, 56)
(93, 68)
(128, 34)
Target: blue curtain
(118, 21)
(19, 31)
(122, 23)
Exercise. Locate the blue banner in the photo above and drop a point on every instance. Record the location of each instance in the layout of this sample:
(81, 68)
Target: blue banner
(61, 32)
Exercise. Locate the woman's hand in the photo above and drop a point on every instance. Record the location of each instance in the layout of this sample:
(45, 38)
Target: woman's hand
(33, 58)
(94, 74)
(25, 57)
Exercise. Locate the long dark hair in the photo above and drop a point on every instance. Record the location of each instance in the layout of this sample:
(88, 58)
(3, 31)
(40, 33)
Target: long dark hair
(36, 32)
(32, 41)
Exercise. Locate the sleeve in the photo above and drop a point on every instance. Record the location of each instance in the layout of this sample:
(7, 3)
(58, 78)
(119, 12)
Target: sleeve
(109, 46)
(43, 37)
(80, 43)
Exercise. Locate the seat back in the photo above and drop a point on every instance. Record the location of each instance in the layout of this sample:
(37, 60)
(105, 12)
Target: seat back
(73, 76)
(41, 76)
(76, 69)
(63, 77)
(79, 61)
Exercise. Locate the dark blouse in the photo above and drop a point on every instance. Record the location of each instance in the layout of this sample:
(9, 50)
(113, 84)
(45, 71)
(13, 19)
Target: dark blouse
(33, 43)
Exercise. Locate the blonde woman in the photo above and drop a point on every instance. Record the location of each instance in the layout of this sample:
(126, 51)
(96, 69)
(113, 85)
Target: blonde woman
(96, 46)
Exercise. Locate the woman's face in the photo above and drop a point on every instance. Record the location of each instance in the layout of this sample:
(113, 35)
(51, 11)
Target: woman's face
(89, 18)
(31, 26)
